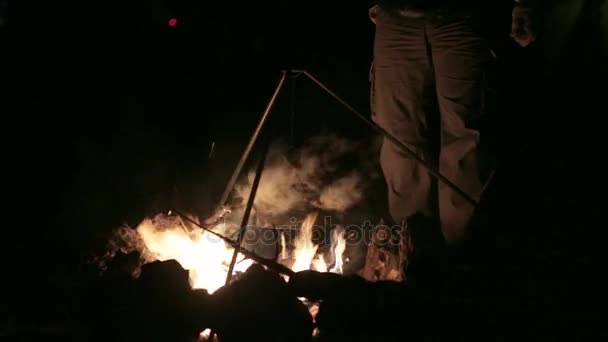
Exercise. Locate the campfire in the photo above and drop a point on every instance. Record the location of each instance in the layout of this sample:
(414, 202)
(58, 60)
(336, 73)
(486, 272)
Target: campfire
(293, 189)
(207, 257)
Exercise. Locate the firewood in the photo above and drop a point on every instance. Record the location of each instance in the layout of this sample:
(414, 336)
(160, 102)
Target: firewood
(387, 254)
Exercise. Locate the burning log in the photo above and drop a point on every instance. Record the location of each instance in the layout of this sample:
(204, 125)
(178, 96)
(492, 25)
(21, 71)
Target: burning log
(180, 290)
(270, 263)
(259, 306)
(387, 254)
(354, 309)
(317, 286)
(167, 308)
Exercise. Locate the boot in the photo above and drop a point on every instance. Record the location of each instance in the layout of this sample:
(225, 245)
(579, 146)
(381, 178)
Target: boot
(428, 253)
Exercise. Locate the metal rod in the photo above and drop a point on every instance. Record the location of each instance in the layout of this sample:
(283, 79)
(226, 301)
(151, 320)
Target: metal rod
(292, 111)
(237, 171)
(247, 152)
(271, 264)
(250, 200)
(185, 217)
(394, 140)
(245, 220)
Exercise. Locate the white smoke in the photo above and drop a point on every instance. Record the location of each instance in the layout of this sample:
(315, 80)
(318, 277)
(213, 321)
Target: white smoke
(123, 240)
(341, 194)
(329, 173)
(313, 176)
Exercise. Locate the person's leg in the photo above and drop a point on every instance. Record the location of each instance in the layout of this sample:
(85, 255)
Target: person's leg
(459, 57)
(402, 76)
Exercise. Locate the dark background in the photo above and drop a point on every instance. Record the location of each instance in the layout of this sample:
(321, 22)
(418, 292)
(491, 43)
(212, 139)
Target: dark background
(110, 114)
(117, 109)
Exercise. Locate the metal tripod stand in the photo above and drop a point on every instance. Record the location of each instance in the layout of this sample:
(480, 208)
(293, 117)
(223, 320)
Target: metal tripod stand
(254, 138)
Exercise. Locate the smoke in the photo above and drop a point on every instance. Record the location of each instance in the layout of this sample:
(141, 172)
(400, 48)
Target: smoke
(124, 240)
(328, 173)
(342, 194)
(143, 240)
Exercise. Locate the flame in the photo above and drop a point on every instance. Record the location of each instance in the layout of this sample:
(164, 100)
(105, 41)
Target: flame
(205, 335)
(207, 257)
(284, 252)
(204, 255)
(339, 246)
(305, 250)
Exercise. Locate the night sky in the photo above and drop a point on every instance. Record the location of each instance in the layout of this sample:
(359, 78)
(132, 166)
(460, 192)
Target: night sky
(119, 107)
(110, 114)
(113, 111)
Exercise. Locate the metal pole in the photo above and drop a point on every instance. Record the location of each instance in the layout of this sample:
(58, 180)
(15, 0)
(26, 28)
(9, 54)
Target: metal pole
(247, 152)
(254, 188)
(292, 112)
(245, 220)
(271, 264)
(394, 140)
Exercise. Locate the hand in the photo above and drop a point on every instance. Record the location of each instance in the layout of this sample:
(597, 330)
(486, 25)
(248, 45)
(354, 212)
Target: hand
(522, 29)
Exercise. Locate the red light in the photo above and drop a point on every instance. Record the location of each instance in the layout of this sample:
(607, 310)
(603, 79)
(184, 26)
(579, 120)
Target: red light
(172, 22)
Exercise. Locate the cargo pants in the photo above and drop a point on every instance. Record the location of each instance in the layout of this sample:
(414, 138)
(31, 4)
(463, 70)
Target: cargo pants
(427, 82)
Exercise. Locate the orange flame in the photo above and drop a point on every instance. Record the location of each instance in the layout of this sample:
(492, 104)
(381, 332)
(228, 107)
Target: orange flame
(207, 257)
